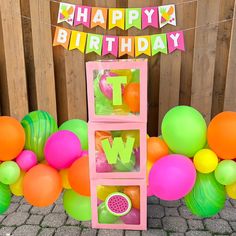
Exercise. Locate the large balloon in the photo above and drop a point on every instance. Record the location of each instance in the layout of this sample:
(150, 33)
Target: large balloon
(156, 149)
(221, 135)
(17, 187)
(78, 127)
(42, 185)
(9, 172)
(62, 149)
(38, 125)
(77, 206)
(132, 96)
(184, 130)
(172, 177)
(207, 197)
(12, 138)
(5, 197)
(225, 172)
(79, 176)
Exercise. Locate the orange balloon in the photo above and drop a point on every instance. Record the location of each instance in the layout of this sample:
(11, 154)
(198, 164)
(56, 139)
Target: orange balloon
(156, 149)
(99, 136)
(42, 185)
(133, 192)
(221, 135)
(12, 138)
(132, 96)
(79, 176)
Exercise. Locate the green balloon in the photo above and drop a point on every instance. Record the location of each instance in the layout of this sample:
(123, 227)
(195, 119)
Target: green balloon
(77, 206)
(135, 76)
(79, 128)
(9, 172)
(38, 126)
(5, 198)
(225, 172)
(104, 216)
(207, 197)
(184, 130)
(127, 167)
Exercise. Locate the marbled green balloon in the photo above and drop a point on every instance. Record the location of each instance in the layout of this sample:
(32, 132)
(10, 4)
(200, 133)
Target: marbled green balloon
(38, 126)
(207, 197)
(5, 197)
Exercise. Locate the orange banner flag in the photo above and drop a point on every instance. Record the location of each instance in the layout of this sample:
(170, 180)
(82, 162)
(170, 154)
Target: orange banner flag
(126, 45)
(62, 37)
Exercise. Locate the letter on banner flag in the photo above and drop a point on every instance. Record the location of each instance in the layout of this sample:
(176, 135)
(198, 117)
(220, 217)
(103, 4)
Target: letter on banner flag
(117, 18)
(133, 18)
(110, 45)
(142, 45)
(126, 45)
(66, 13)
(82, 16)
(61, 37)
(78, 40)
(175, 41)
(94, 43)
(149, 17)
(159, 44)
(167, 15)
(99, 17)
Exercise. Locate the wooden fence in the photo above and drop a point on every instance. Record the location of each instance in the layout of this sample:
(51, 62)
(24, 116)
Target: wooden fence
(34, 75)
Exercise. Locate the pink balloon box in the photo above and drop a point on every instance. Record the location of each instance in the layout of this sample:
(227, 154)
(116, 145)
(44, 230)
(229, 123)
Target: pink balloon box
(62, 149)
(26, 160)
(172, 177)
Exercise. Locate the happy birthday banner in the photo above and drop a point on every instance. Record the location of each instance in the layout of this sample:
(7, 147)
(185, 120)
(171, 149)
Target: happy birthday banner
(123, 18)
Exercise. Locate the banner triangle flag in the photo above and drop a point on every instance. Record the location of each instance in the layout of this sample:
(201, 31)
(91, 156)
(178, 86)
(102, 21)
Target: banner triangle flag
(78, 40)
(62, 37)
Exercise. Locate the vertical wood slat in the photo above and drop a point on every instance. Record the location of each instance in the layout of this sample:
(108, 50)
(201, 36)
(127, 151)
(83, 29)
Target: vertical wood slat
(14, 58)
(43, 57)
(204, 56)
(230, 98)
(170, 70)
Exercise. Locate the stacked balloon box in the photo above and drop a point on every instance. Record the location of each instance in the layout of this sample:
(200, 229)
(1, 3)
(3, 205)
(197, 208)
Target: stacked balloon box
(117, 98)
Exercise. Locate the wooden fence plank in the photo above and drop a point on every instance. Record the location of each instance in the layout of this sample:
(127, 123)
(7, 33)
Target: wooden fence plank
(230, 98)
(14, 57)
(222, 54)
(204, 56)
(43, 57)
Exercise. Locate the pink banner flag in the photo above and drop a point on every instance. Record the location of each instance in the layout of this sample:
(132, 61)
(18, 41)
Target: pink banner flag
(175, 41)
(82, 16)
(110, 45)
(149, 17)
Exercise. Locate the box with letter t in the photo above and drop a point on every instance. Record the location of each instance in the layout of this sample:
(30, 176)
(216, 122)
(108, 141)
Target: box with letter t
(117, 103)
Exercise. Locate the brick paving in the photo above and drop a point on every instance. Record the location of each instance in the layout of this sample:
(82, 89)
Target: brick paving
(164, 219)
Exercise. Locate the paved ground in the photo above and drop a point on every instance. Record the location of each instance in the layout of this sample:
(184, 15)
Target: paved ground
(164, 218)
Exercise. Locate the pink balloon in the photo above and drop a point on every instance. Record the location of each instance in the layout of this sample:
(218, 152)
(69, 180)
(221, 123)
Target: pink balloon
(26, 160)
(84, 153)
(104, 86)
(149, 192)
(102, 164)
(62, 149)
(132, 218)
(172, 177)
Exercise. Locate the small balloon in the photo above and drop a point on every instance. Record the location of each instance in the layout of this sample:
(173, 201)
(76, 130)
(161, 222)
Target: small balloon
(26, 160)
(132, 218)
(132, 97)
(127, 73)
(65, 180)
(133, 192)
(9, 172)
(99, 136)
(231, 190)
(102, 163)
(131, 134)
(125, 167)
(104, 216)
(17, 187)
(104, 191)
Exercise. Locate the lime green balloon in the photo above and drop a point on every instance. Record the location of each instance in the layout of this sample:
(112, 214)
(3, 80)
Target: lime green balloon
(104, 216)
(77, 206)
(38, 126)
(135, 76)
(225, 172)
(184, 130)
(125, 167)
(79, 128)
(9, 172)
(5, 198)
(207, 197)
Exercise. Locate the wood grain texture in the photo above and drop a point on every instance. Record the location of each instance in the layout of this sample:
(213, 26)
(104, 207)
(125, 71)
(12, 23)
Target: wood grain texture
(14, 58)
(204, 56)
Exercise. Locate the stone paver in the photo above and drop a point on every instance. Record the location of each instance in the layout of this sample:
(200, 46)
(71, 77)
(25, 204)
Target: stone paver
(164, 219)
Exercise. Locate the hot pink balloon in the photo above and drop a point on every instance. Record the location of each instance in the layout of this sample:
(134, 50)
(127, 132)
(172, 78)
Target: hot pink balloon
(172, 177)
(26, 160)
(104, 86)
(132, 218)
(102, 164)
(62, 149)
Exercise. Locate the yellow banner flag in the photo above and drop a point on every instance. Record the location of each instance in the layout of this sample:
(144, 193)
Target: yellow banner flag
(142, 45)
(78, 40)
(117, 18)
